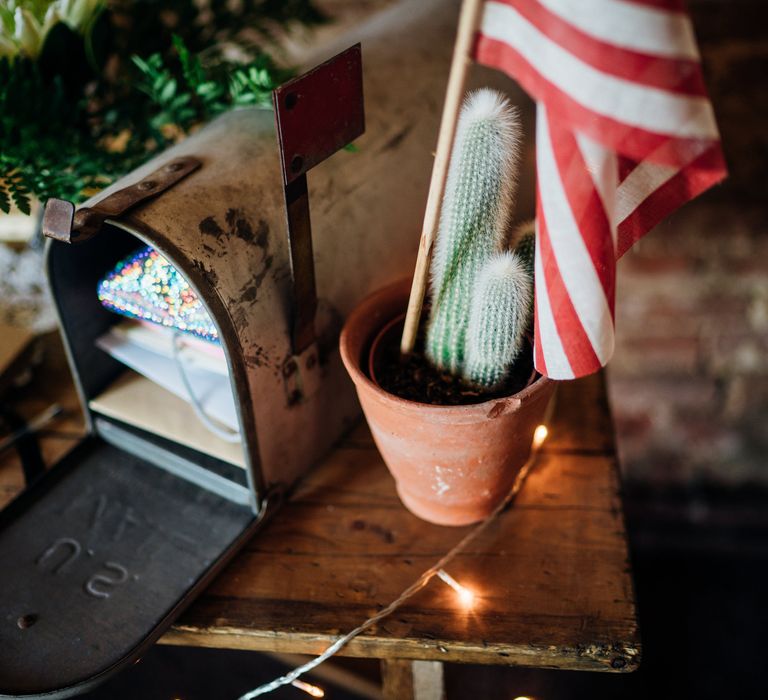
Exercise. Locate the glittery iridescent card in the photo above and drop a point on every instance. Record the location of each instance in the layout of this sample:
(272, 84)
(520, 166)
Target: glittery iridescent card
(146, 286)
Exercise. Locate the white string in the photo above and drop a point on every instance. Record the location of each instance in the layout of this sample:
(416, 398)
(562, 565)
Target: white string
(224, 433)
(409, 592)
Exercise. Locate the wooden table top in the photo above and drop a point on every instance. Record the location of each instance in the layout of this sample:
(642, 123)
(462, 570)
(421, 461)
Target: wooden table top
(552, 575)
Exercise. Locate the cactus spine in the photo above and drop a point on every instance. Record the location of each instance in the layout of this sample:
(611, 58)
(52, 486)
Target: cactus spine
(475, 212)
(498, 319)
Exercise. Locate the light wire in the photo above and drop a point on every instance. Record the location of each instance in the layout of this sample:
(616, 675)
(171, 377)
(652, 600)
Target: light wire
(225, 434)
(409, 592)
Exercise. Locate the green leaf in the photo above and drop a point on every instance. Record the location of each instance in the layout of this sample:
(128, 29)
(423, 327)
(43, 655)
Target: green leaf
(19, 193)
(141, 64)
(167, 91)
(5, 202)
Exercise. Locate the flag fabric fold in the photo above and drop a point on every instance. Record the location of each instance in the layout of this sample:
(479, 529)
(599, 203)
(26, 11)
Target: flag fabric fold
(625, 134)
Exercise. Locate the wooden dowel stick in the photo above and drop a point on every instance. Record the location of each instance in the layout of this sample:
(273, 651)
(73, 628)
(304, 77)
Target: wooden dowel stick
(468, 21)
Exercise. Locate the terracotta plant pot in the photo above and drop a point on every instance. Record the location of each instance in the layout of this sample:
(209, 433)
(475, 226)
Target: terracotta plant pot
(452, 464)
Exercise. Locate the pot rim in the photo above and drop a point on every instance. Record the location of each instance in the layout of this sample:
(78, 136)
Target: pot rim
(354, 365)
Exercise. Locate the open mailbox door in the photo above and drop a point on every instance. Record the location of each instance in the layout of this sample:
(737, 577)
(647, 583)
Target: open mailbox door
(102, 552)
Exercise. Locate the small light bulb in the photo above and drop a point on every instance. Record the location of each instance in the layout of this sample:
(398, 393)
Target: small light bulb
(466, 596)
(309, 689)
(539, 435)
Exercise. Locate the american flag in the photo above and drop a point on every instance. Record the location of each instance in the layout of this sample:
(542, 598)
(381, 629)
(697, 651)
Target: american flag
(625, 134)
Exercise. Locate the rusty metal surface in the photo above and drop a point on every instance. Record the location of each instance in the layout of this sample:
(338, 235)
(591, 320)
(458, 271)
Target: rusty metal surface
(58, 219)
(60, 224)
(319, 112)
(304, 303)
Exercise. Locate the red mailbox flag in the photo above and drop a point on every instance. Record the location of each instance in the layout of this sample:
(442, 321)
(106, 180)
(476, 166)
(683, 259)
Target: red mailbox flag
(316, 114)
(625, 134)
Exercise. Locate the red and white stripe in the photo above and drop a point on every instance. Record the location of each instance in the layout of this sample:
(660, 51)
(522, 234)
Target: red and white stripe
(625, 134)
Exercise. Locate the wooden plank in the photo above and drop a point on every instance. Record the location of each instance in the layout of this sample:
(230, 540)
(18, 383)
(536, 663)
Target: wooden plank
(552, 575)
(397, 679)
(15, 341)
(428, 680)
(412, 680)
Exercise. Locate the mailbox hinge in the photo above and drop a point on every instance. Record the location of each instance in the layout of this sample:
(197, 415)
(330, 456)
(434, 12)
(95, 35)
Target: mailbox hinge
(62, 223)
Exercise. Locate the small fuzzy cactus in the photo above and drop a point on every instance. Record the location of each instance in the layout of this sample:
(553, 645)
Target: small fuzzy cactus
(481, 292)
(476, 207)
(498, 319)
(524, 244)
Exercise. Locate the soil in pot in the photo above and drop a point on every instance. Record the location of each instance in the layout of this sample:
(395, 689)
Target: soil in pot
(414, 378)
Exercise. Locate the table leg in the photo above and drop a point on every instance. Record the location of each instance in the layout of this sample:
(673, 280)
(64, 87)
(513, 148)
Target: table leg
(412, 680)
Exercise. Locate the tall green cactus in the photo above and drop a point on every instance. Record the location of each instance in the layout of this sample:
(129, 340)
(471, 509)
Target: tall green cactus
(482, 294)
(476, 207)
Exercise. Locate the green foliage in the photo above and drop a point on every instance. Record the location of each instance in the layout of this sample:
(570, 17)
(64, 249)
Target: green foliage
(158, 82)
(146, 27)
(186, 93)
(472, 291)
(252, 85)
(102, 97)
(45, 146)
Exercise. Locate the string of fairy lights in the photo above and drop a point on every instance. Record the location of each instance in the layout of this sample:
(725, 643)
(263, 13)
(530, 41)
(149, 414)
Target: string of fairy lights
(465, 596)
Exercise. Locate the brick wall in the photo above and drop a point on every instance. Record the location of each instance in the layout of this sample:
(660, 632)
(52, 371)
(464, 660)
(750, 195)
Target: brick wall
(689, 380)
